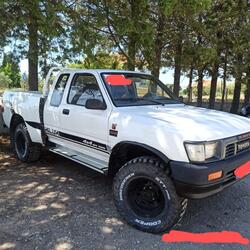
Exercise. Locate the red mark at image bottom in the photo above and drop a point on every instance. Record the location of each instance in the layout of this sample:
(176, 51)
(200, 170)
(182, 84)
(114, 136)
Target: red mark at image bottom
(211, 237)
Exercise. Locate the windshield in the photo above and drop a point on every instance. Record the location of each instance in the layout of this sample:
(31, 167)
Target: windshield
(133, 89)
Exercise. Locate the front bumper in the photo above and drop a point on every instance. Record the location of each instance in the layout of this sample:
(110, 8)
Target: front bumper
(191, 180)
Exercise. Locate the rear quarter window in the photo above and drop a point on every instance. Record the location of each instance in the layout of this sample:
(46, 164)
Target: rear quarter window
(58, 91)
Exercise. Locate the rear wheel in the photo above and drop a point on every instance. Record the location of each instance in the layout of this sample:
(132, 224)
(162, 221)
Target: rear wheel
(145, 196)
(24, 148)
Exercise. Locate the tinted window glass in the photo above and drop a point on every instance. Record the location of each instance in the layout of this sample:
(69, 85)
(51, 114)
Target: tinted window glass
(59, 90)
(83, 87)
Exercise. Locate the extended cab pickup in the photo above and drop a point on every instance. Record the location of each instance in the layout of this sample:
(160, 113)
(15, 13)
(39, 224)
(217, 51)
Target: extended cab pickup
(130, 125)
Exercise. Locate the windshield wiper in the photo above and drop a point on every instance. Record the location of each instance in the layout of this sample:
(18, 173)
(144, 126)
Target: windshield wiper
(139, 99)
(150, 100)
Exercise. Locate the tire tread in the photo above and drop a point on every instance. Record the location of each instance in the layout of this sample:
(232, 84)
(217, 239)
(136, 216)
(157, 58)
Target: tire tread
(163, 172)
(34, 149)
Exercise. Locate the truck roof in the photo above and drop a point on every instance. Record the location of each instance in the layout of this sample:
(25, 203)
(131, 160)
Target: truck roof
(100, 71)
(61, 70)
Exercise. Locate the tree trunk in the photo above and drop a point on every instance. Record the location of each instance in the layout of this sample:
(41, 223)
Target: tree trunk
(238, 64)
(224, 83)
(158, 44)
(213, 86)
(177, 69)
(156, 71)
(33, 53)
(132, 40)
(236, 99)
(190, 84)
(247, 93)
(131, 52)
(200, 87)
(237, 88)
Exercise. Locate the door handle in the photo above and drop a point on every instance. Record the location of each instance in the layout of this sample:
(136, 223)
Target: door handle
(65, 111)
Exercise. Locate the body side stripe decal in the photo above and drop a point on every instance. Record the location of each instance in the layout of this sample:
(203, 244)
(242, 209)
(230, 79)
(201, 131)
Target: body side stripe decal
(82, 141)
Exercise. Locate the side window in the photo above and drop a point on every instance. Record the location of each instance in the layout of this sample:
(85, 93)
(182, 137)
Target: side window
(59, 90)
(83, 87)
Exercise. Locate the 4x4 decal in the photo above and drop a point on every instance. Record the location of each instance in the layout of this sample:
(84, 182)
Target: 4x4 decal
(79, 140)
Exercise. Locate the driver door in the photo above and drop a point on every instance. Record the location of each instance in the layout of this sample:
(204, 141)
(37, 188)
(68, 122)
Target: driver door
(80, 129)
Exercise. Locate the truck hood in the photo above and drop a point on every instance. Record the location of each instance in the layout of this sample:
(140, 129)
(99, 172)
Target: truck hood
(192, 123)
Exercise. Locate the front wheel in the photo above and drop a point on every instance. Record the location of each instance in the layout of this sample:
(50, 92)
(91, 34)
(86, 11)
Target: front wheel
(145, 196)
(24, 148)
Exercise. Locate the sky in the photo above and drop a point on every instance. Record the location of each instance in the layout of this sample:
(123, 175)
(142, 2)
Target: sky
(167, 76)
(24, 66)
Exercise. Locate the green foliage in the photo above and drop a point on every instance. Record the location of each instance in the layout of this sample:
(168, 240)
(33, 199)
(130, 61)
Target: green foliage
(205, 91)
(126, 34)
(100, 60)
(42, 25)
(5, 81)
(10, 68)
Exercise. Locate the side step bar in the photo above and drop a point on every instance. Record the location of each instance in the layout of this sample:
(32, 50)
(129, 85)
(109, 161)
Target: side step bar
(83, 159)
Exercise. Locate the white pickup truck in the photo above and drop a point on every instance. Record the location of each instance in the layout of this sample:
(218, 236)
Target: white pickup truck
(130, 125)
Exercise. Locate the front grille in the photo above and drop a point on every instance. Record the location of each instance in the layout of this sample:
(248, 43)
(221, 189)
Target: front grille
(230, 176)
(230, 150)
(229, 179)
(233, 149)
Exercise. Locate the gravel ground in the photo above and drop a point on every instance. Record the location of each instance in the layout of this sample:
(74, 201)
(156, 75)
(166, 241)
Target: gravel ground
(58, 204)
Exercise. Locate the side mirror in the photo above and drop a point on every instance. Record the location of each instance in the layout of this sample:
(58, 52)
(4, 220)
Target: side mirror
(245, 111)
(95, 104)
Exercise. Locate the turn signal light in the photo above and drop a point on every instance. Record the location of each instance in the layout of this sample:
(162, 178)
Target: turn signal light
(215, 175)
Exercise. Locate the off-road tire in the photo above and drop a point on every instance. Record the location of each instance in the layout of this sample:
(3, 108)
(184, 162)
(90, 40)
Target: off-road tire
(151, 169)
(24, 148)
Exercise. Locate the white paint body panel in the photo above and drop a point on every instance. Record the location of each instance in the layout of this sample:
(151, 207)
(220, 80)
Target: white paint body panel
(164, 128)
(167, 127)
(26, 104)
(80, 122)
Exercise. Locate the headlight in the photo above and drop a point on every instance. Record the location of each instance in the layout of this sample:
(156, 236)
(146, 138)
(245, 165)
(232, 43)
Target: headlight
(200, 152)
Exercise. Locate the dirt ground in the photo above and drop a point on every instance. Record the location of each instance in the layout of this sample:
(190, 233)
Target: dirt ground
(58, 204)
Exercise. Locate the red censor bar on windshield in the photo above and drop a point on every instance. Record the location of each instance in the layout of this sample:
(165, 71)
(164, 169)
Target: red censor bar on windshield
(118, 80)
